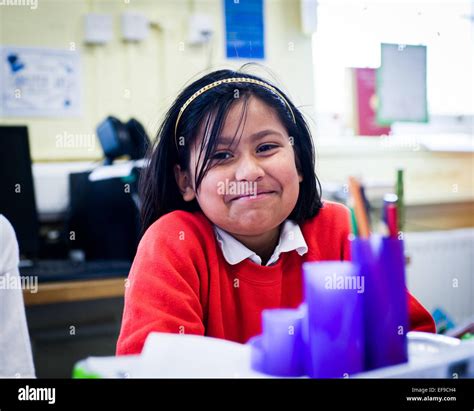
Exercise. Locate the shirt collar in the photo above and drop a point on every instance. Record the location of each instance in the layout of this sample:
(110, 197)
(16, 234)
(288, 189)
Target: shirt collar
(291, 238)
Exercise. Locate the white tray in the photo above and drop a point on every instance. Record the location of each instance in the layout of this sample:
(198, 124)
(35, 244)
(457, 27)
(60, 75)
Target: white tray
(191, 356)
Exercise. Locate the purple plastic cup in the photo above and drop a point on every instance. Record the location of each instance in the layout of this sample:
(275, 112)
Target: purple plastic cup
(334, 297)
(282, 344)
(382, 263)
(256, 354)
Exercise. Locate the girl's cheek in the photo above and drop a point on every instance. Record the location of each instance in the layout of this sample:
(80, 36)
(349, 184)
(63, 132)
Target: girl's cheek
(212, 184)
(285, 167)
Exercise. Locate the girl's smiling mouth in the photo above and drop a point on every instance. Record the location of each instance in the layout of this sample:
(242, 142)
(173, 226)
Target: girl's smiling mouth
(261, 195)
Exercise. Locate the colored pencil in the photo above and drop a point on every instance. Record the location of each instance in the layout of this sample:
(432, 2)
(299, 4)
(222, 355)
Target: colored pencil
(359, 208)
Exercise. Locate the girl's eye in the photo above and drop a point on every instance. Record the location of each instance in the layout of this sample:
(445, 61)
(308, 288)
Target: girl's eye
(223, 155)
(266, 147)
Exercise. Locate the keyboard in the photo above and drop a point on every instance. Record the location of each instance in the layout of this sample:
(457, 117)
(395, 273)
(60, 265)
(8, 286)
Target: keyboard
(65, 270)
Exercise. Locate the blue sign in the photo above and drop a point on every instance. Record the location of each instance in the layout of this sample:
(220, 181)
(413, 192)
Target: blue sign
(244, 29)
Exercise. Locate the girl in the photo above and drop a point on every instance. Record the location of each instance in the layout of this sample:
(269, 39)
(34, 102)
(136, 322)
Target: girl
(231, 208)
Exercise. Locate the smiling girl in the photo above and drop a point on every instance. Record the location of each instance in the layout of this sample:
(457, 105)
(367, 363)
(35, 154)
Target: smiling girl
(231, 208)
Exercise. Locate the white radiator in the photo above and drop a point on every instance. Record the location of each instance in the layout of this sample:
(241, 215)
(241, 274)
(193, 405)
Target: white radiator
(441, 271)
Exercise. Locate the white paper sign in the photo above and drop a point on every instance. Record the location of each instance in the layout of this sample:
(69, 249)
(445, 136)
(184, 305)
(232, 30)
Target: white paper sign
(39, 82)
(401, 85)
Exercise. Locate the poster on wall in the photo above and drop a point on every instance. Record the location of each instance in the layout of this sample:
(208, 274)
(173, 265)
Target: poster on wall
(364, 103)
(39, 82)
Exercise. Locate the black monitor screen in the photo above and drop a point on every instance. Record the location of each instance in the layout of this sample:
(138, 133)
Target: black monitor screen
(17, 197)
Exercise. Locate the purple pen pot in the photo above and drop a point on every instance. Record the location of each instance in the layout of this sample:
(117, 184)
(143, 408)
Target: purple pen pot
(381, 262)
(392, 262)
(334, 297)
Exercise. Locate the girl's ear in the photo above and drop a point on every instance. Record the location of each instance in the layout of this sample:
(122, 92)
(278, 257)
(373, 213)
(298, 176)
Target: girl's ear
(300, 176)
(184, 183)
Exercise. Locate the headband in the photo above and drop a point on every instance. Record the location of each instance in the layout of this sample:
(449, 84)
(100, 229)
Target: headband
(227, 80)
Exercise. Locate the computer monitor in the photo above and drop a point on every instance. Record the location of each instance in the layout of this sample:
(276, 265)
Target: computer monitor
(17, 195)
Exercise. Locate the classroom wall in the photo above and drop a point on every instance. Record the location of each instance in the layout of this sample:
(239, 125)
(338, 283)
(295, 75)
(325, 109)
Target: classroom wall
(142, 79)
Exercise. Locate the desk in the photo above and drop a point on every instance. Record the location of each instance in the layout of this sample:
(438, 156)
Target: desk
(70, 291)
(91, 308)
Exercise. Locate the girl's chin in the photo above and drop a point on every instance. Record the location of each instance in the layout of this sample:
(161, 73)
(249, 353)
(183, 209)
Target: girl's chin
(253, 224)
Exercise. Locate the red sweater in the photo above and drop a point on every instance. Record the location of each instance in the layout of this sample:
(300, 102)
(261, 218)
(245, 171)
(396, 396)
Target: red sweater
(180, 282)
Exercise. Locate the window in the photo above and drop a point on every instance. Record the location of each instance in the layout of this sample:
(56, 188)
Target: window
(349, 34)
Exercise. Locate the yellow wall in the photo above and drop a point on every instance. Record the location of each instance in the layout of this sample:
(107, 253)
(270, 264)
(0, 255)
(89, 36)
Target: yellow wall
(142, 79)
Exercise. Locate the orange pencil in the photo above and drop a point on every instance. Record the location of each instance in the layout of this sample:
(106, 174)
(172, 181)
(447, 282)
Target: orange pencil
(359, 208)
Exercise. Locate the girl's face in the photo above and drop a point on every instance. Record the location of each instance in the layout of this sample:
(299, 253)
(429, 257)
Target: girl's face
(255, 186)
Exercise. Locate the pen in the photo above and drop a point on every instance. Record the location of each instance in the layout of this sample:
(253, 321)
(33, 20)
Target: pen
(388, 198)
(353, 222)
(366, 204)
(400, 204)
(392, 220)
(359, 208)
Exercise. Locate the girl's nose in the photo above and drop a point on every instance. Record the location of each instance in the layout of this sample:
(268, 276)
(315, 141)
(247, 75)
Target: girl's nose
(248, 169)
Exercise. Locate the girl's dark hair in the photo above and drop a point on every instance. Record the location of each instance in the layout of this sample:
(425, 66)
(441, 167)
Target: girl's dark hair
(159, 190)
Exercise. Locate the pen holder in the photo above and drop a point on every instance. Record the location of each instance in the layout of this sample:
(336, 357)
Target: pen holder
(382, 264)
(334, 297)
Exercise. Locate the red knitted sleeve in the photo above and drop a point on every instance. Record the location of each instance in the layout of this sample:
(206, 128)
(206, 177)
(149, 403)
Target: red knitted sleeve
(420, 318)
(163, 287)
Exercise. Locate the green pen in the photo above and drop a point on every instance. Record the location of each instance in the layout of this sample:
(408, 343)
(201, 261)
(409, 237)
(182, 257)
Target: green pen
(400, 202)
(354, 222)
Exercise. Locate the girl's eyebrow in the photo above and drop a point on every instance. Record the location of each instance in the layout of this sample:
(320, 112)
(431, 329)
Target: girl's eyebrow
(256, 136)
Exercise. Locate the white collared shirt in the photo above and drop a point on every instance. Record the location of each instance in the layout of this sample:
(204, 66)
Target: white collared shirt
(291, 238)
